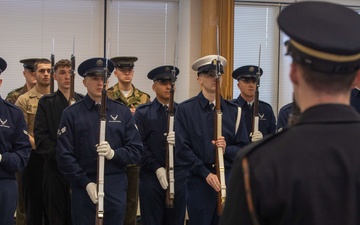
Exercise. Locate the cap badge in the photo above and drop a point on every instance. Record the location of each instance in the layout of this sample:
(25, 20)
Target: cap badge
(251, 69)
(167, 69)
(214, 62)
(99, 62)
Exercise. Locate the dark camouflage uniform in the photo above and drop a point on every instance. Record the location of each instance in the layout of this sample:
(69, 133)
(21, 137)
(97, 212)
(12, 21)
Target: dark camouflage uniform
(14, 94)
(136, 98)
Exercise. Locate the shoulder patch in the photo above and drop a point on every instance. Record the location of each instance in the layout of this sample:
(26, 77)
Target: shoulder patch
(61, 131)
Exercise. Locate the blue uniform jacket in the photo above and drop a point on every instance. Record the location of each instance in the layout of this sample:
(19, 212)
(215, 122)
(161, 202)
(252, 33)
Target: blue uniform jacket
(79, 133)
(15, 146)
(267, 121)
(151, 119)
(284, 114)
(194, 131)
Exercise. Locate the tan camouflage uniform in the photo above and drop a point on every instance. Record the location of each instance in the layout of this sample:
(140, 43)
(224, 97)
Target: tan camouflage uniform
(135, 99)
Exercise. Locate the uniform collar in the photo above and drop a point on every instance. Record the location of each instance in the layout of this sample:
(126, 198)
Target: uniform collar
(204, 102)
(329, 113)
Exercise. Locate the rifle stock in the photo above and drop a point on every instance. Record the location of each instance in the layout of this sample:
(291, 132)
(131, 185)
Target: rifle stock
(170, 191)
(99, 220)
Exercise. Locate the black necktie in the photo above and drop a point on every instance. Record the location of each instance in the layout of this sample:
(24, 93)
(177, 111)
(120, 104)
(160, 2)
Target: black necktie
(166, 109)
(98, 106)
(211, 106)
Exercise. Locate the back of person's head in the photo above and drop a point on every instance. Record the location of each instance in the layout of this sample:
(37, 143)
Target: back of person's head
(324, 40)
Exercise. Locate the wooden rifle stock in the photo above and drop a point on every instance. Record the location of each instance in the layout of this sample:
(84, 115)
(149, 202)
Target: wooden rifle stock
(169, 164)
(99, 220)
(219, 158)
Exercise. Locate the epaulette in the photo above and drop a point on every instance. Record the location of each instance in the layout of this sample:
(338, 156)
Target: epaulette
(246, 151)
(189, 100)
(117, 102)
(144, 105)
(265, 103)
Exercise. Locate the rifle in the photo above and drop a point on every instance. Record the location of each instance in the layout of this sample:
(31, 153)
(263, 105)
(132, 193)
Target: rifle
(99, 218)
(72, 77)
(255, 124)
(220, 167)
(169, 164)
(52, 58)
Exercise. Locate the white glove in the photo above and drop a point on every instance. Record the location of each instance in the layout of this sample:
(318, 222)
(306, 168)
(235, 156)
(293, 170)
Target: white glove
(0, 157)
(171, 138)
(91, 189)
(161, 176)
(257, 136)
(104, 149)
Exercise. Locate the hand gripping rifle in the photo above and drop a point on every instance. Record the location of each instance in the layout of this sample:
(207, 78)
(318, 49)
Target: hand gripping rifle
(255, 125)
(169, 164)
(52, 58)
(72, 76)
(99, 220)
(220, 167)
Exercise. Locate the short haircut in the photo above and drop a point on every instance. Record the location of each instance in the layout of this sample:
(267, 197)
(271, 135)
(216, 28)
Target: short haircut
(62, 63)
(41, 61)
(328, 83)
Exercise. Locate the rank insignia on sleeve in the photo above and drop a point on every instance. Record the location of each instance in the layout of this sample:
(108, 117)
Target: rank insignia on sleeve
(61, 131)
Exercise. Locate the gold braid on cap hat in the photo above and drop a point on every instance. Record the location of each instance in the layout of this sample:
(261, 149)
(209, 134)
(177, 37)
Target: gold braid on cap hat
(324, 55)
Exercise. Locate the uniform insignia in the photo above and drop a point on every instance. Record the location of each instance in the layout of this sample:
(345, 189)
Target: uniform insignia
(261, 116)
(251, 69)
(3, 123)
(214, 61)
(167, 69)
(61, 131)
(114, 119)
(26, 132)
(99, 62)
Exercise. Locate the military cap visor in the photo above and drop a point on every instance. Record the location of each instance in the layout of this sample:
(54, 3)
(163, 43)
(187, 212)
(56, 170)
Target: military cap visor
(95, 67)
(29, 63)
(124, 61)
(3, 65)
(163, 73)
(207, 64)
(249, 71)
(323, 35)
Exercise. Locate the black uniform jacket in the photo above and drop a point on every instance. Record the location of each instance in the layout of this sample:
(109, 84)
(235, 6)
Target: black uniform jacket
(307, 174)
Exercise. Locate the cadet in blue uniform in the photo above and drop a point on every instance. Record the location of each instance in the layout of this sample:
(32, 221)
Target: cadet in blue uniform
(78, 148)
(246, 77)
(152, 121)
(283, 116)
(50, 107)
(195, 150)
(308, 174)
(15, 150)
